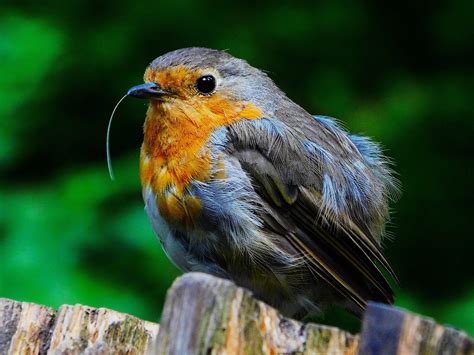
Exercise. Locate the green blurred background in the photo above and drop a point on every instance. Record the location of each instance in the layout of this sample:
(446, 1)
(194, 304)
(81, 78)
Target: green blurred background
(402, 74)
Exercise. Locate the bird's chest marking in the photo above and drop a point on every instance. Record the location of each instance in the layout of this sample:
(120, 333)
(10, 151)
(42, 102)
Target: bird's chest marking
(174, 152)
(170, 185)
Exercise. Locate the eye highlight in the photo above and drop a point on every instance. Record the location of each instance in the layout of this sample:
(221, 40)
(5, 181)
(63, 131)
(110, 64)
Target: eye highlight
(206, 84)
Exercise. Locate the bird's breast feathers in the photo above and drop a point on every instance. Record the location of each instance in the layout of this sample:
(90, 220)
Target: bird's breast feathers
(176, 151)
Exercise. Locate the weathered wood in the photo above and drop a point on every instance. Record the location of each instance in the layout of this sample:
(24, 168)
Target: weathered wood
(388, 330)
(25, 328)
(207, 315)
(31, 329)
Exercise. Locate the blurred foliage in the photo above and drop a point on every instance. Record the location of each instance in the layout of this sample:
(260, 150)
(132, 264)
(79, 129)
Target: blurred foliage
(400, 73)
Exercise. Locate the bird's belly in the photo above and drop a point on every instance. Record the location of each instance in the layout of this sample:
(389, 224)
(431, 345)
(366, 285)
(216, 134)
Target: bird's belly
(189, 248)
(210, 251)
(174, 248)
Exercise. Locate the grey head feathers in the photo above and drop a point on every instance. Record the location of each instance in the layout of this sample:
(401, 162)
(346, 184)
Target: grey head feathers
(240, 81)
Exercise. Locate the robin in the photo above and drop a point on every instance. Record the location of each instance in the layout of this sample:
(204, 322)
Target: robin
(242, 183)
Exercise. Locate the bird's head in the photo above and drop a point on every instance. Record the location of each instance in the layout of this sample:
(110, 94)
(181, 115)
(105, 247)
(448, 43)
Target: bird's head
(205, 87)
(192, 92)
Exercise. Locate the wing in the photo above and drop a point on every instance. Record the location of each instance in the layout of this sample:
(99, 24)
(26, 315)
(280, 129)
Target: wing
(321, 204)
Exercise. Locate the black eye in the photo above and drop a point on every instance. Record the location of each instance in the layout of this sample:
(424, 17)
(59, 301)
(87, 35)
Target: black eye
(206, 84)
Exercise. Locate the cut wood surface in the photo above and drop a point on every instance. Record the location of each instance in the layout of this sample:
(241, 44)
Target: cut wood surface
(207, 315)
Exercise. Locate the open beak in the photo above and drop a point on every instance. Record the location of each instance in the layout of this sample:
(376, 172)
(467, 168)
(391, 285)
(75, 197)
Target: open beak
(147, 91)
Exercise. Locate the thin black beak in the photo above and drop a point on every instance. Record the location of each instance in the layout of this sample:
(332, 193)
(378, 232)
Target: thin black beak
(147, 91)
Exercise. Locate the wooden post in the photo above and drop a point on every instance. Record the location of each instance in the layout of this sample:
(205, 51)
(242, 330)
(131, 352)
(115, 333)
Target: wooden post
(208, 315)
(27, 328)
(389, 330)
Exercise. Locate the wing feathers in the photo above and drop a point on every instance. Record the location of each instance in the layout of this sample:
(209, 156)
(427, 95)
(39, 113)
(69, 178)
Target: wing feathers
(336, 248)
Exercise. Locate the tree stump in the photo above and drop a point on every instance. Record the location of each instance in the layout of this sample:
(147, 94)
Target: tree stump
(207, 315)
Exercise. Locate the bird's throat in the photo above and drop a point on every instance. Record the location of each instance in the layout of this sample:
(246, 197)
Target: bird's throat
(175, 136)
(173, 151)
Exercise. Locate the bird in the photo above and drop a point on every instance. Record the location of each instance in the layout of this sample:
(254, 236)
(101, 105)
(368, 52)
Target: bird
(242, 183)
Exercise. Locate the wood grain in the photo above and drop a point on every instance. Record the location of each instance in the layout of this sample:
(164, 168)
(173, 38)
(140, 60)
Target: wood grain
(27, 328)
(207, 315)
(391, 331)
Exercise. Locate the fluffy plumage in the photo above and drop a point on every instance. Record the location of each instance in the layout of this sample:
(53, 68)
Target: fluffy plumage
(284, 203)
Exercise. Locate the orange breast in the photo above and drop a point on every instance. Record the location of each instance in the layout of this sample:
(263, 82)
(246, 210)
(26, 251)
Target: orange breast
(174, 150)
